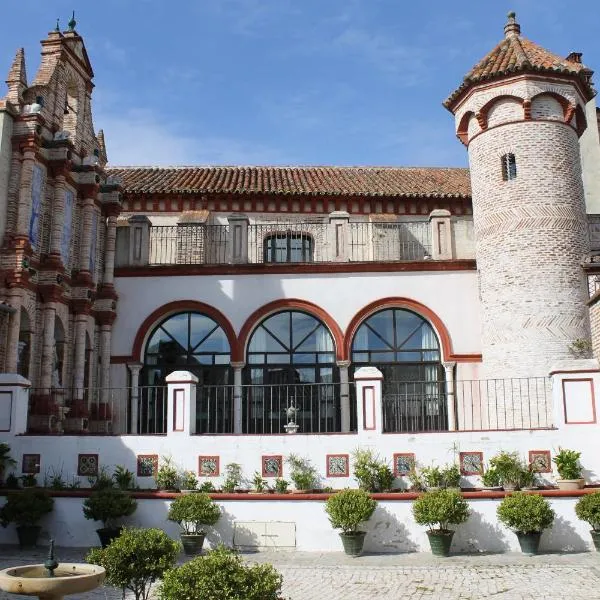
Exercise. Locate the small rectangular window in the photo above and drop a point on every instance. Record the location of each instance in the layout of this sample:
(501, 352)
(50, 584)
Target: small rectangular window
(509, 167)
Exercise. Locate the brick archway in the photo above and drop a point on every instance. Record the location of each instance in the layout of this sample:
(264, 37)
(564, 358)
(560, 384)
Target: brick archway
(289, 304)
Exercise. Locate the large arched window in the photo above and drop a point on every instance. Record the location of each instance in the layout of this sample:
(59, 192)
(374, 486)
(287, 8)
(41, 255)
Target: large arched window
(405, 348)
(290, 375)
(188, 341)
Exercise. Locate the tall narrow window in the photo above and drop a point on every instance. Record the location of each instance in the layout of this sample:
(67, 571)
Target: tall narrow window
(509, 167)
(288, 247)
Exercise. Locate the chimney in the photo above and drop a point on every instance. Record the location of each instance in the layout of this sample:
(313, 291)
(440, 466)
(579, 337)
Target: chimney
(575, 57)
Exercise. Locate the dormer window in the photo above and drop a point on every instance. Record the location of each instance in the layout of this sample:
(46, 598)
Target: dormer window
(509, 167)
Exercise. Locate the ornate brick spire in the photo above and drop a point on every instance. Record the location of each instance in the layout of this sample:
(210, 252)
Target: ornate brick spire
(17, 77)
(102, 146)
(512, 28)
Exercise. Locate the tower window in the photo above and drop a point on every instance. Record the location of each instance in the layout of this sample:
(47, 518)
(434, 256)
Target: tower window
(509, 167)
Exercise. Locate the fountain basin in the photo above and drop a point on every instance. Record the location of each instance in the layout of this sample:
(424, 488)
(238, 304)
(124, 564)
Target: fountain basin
(69, 578)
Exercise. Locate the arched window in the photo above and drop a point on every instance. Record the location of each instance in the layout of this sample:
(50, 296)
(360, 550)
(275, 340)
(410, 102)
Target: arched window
(71, 109)
(288, 246)
(289, 376)
(405, 348)
(188, 341)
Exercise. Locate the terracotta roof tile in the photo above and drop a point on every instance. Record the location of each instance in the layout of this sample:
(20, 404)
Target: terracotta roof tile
(518, 54)
(407, 182)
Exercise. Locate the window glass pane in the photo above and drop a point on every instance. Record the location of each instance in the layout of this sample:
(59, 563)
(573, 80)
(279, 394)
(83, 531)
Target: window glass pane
(222, 359)
(177, 327)
(279, 326)
(278, 359)
(306, 358)
(157, 338)
(215, 342)
(256, 358)
(382, 357)
(327, 357)
(360, 357)
(305, 375)
(200, 327)
(302, 325)
(408, 356)
(383, 324)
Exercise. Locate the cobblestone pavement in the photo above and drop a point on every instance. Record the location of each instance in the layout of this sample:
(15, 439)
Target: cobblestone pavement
(334, 576)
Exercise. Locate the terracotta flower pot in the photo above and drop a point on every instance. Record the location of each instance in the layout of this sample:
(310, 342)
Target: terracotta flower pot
(569, 485)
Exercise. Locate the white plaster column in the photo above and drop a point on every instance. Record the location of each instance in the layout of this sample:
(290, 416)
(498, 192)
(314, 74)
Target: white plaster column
(109, 251)
(369, 403)
(48, 347)
(14, 405)
(441, 234)
(81, 322)
(87, 213)
(134, 369)
(237, 396)
(339, 236)
(14, 330)
(139, 240)
(238, 238)
(181, 404)
(344, 396)
(24, 206)
(450, 395)
(58, 216)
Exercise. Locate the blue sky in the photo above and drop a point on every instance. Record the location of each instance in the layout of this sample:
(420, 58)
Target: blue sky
(343, 82)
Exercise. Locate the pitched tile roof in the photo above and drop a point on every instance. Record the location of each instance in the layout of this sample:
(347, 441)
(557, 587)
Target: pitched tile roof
(355, 181)
(516, 54)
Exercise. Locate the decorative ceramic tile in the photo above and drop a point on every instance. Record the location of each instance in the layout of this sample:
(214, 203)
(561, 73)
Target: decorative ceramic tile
(272, 466)
(540, 461)
(147, 465)
(31, 463)
(471, 463)
(338, 465)
(404, 463)
(87, 464)
(208, 466)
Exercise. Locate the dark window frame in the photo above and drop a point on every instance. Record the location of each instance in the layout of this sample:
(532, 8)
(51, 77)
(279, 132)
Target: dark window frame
(271, 250)
(509, 167)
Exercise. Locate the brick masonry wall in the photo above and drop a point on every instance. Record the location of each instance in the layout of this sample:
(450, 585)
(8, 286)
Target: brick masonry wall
(595, 325)
(531, 235)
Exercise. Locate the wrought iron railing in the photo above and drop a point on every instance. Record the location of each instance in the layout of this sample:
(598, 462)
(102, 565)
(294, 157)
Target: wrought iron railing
(192, 244)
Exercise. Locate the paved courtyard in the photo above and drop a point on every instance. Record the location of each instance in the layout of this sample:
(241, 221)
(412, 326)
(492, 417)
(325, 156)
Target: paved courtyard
(333, 576)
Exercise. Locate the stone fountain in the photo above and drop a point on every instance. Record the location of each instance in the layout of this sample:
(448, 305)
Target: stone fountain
(51, 580)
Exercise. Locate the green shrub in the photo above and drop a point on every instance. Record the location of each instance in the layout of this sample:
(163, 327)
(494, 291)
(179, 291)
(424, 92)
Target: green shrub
(207, 486)
(123, 478)
(372, 473)
(221, 575)
(6, 459)
(567, 464)
(491, 478)
(101, 481)
(588, 509)
(439, 509)
(509, 467)
(189, 481)
(167, 477)
(26, 508)
(233, 477)
(303, 473)
(107, 505)
(432, 477)
(136, 559)
(258, 483)
(451, 476)
(29, 480)
(525, 513)
(281, 485)
(349, 508)
(191, 511)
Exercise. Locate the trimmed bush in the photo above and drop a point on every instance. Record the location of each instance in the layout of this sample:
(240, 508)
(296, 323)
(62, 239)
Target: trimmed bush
(349, 508)
(439, 509)
(567, 464)
(26, 508)
(221, 575)
(136, 559)
(107, 505)
(525, 513)
(588, 509)
(192, 511)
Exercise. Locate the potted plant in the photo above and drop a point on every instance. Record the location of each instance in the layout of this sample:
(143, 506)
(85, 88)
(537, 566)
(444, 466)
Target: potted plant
(588, 509)
(432, 478)
(123, 478)
(303, 473)
(372, 473)
(281, 485)
(527, 515)
(490, 480)
(509, 467)
(208, 487)
(347, 510)
(6, 459)
(233, 477)
(108, 505)
(259, 485)
(25, 510)
(438, 510)
(451, 477)
(221, 574)
(167, 477)
(136, 559)
(188, 482)
(569, 469)
(191, 512)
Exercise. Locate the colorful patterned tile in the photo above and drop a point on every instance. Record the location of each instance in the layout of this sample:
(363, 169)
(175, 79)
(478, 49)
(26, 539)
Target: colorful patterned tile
(404, 463)
(208, 466)
(31, 464)
(338, 465)
(471, 463)
(540, 461)
(87, 465)
(147, 465)
(272, 466)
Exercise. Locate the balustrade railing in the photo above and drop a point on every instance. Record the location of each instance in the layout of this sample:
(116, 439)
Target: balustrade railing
(192, 244)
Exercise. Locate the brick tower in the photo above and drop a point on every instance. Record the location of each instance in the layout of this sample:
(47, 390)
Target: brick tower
(520, 112)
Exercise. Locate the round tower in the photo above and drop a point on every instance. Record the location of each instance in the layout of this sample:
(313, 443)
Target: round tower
(520, 112)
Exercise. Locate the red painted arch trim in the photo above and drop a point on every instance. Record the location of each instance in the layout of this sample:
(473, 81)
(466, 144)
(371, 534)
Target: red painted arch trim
(181, 306)
(289, 304)
(417, 307)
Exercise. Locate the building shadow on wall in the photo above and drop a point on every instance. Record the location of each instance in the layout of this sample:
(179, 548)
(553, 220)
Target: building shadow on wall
(481, 536)
(563, 537)
(387, 533)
